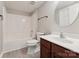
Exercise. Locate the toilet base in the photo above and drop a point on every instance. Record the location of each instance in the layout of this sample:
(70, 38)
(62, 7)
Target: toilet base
(33, 49)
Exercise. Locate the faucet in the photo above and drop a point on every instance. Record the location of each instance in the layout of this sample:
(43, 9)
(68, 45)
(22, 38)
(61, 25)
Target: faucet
(61, 35)
(47, 33)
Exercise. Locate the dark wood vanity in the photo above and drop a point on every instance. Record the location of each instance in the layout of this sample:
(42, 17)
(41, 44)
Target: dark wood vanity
(52, 50)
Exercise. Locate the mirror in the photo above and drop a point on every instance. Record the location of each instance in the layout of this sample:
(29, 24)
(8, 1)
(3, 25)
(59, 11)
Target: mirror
(66, 16)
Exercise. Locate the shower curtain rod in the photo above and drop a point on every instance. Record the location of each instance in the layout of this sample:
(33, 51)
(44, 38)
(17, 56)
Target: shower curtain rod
(42, 17)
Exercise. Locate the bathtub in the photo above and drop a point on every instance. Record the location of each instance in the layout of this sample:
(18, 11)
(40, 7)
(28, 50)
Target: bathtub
(10, 45)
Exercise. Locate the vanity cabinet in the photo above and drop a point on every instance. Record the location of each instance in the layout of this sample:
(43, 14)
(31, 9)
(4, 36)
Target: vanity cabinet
(45, 49)
(61, 52)
(52, 50)
(45, 53)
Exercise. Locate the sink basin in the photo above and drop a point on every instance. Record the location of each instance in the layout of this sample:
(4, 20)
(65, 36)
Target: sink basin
(64, 40)
(58, 38)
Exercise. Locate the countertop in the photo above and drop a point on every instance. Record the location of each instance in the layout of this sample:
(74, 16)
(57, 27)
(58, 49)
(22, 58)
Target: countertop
(71, 44)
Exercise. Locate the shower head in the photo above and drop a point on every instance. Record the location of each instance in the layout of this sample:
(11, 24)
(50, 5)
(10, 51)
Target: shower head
(42, 17)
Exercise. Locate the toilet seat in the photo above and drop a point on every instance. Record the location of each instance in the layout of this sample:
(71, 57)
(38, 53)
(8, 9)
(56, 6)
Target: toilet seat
(32, 42)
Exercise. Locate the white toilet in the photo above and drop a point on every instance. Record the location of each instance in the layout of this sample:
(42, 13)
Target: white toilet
(33, 44)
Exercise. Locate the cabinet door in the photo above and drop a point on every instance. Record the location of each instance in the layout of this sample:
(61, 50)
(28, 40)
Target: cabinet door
(64, 53)
(45, 48)
(45, 53)
(45, 43)
(52, 50)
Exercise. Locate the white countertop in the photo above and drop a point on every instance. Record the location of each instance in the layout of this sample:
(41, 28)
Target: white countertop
(72, 44)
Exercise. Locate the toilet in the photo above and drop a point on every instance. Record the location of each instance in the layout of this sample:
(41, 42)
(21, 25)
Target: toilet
(33, 44)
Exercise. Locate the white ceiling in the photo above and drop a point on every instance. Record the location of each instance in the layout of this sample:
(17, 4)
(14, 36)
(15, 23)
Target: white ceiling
(62, 4)
(22, 6)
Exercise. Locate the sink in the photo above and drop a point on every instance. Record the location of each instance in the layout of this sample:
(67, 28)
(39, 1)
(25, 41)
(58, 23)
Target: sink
(58, 38)
(64, 40)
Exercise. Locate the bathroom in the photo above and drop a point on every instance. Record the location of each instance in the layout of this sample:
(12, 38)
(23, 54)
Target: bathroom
(31, 29)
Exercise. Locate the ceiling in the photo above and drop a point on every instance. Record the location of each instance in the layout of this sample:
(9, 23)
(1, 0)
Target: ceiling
(22, 7)
(62, 4)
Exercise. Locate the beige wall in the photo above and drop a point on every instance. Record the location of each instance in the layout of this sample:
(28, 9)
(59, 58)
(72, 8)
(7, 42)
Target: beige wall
(1, 8)
(34, 24)
(4, 23)
(48, 9)
(1, 30)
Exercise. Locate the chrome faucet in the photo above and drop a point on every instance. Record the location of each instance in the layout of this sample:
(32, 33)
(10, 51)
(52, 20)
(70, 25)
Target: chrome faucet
(61, 35)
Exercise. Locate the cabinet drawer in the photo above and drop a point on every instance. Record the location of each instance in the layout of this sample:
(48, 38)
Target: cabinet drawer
(45, 43)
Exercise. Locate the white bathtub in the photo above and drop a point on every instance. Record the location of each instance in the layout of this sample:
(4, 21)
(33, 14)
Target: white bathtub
(10, 45)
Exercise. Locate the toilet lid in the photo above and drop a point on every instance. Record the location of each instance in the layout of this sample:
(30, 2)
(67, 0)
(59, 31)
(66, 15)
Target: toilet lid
(32, 41)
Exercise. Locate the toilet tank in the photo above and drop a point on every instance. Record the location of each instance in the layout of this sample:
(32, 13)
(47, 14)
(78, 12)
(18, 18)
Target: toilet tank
(38, 35)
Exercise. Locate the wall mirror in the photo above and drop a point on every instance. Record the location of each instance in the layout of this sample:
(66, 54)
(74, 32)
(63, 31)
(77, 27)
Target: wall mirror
(67, 15)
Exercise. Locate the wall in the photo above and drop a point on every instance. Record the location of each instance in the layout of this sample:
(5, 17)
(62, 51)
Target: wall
(1, 34)
(34, 24)
(48, 9)
(1, 7)
(16, 31)
(4, 23)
